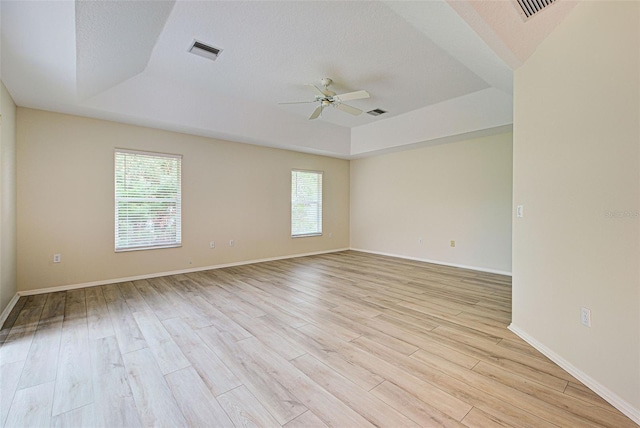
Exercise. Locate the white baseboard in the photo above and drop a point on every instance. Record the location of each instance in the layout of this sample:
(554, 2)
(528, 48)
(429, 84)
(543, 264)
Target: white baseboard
(175, 272)
(5, 314)
(611, 397)
(436, 262)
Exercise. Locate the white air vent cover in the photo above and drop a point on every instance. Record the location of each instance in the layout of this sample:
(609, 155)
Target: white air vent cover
(376, 112)
(204, 50)
(528, 8)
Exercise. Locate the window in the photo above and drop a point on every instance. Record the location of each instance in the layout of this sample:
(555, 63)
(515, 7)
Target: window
(148, 212)
(306, 203)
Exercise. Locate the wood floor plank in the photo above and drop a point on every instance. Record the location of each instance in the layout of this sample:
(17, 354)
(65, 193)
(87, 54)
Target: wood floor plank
(126, 329)
(36, 300)
(11, 319)
(132, 296)
(438, 397)
(476, 418)
(525, 401)
(221, 321)
(215, 374)
(360, 326)
(582, 392)
(167, 354)
(281, 344)
(532, 368)
(9, 377)
(408, 332)
(455, 387)
(84, 417)
(114, 403)
(272, 394)
(563, 401)
(355, 373)
(75, 308)
(325, 405)
(266, 303)
(54, 306)
(16, 346)
(413, 407)
(306, 420)
(42, 360)
(284, 289)
(155, 403)
(456, 325)
(31, 407)
(519, 345)
(199, 407)
(399, 338)
(245, 410)
(179, 303)
(73, 387)
(221, 298)
(98, 318)
(163, 308)
(370, 407)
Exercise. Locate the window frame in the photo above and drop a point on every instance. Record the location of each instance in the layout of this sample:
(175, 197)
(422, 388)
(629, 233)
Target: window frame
(319, 201)
(177, 199)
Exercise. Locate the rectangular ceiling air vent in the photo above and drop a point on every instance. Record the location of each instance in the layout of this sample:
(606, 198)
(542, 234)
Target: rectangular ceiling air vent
(528, 8)
(204, 50)
(376, 112)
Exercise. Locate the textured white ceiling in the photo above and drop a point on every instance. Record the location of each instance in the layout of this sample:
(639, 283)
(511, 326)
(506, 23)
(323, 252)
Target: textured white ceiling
(128, 61)
(114, 41)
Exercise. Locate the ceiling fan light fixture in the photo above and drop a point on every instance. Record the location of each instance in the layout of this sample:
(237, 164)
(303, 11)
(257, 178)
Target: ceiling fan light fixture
(204, 50)
(376, 112)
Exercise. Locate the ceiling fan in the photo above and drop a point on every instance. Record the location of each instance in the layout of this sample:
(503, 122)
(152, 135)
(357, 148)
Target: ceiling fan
(327, 97)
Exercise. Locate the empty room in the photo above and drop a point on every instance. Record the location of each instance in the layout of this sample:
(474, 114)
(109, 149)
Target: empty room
(320, 213)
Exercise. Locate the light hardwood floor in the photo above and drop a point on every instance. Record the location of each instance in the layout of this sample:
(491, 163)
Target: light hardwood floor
(343, 340)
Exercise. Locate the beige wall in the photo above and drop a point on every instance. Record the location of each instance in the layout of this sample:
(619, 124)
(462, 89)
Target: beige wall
(7, 198)
(229, 190)
(576, 160)
(459, 191)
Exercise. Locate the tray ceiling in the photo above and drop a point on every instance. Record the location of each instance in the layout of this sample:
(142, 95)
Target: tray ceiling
(128, 61)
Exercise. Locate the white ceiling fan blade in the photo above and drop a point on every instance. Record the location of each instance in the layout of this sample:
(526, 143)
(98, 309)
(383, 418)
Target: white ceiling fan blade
(357, 95)
(319, 91)
(299, 102)
(316, 112)
(351, 110)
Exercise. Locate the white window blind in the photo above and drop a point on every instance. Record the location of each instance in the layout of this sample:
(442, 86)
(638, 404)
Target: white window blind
(148, 200)
(306, 203)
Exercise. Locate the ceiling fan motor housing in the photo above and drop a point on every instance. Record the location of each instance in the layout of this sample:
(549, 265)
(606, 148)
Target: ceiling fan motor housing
(326, 81)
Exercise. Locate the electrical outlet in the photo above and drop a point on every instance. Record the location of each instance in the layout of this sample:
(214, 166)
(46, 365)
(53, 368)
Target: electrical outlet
(585, 317)
(452, 243)
(330, 235)
(520, 211)
(212, 244)
(420, 241)
(231, 242)
(57, 258)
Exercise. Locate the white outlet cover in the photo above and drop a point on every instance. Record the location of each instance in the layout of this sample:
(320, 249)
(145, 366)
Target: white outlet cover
(585, 317)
